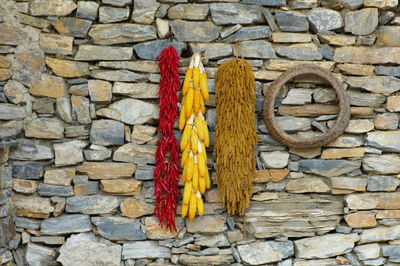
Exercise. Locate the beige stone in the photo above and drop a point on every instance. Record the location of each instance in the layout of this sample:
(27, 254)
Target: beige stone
(306, 153)
(290, 37)
(365, 201)
(386, 121)
(52, 7)
(67, 69)
(266, 75)
(367, 55)
(4, 62)
(4, 74)
(359, 126)
(393, 104)
(106, 170)
(99, 91)
(56, 44)
(308, 185)
(37, 22)
(342, 153)
(45, 128)
(212, 195)
(134, 208)
(157, 232)
(283, 64)
(162, 27)
(24, 186)
(388, 214)
(49, 86)
(361, 219)
(61, 177)
(274, 175)
(137, 65)
(32, 206)
(265, 196)
(356, 69)
(121, 187)
(385, 4)
(388, 36)
(338, 39)
(347, 185)
(207, 224)
(142, 133)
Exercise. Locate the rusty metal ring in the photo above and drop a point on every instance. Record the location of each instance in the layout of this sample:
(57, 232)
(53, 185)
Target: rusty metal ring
(338, 127)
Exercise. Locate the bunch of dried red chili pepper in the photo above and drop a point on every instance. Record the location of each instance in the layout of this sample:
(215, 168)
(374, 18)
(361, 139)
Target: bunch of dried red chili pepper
(166, 172)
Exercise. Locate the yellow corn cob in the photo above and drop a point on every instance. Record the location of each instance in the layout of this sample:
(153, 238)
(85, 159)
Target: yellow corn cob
(184, 210)
(200, 205)
(189, 102)
(184, 173)
(195, 176)
(197, 101)
(192, 206)
(207, 136)
(196, 71)
(186, 193)
(185, 136)
(200, 127)
(194, 140)
(190, 167)
(203, 148)
(202, 164)
(188, 77)
(182, 115)
(204, 86)
(185, 154)
(207, 178)
(202, 105)
(202, 184)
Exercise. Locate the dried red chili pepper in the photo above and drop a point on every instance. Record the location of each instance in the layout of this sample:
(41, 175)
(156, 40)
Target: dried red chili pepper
(166, 172)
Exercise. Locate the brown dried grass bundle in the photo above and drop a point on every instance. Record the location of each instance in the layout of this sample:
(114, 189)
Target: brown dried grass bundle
(235, 134)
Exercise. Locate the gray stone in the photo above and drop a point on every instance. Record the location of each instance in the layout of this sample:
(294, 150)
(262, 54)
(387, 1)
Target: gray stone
(376, 262)
(117, 75)
(79, 90)
(131, 111)
(255, 49)
(63, 109)
(325, 246)
(95, 204)
(386, 17)
(144, 11)
(365, 99)
(291, 21)
(86, 189)
(380, 234)
(327, 52)
(93, 155)
(390, 251)
(387, 71)
(48, 240)
(212, 50)
(117, 2)
(234, 13)
(37, 255)
(275, 159)
(382, 183)
(47, 128)
(66, 224)
(28, 170)
(76, 131)
(27, 223)
(81, 109)
(86, 249)
(144, 249)
(107, 132)
(328, 168)
(5, 177)
(43, 106)
(48, 190)
(109, 14)
(375, 84)
(87, 10)
(300, 51)
(362, 22)
(134, 153)
(144, 174)
(298, 96)
(88, 52)
(274, 3)
(219, 240)
(258, 253)
(270, 19)
(385, 140)
(382, 164)
(151, 50)
(162, 11)
(11, 111)
(249, 33)
(69, 153)
(72, 26)
(323, 20)
(31, 150)
(188, 11)
(386, 121)
(205, 31)
(121, 33)
(368, 252)
(118, 228)
(302, 4)
(10, 129)
(230, 30)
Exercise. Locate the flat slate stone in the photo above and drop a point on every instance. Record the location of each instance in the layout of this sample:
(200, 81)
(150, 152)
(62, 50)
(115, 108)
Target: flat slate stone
(234, 13)
(96, 204)
(108, 14)
(107, 132)
(328, 168)
(361, 22)
(87, 10)
(11, 112)
(27, 170)
(385, 140)
(48, 190)
(88, 52)
(144, 250)
(256, 49)
(249, 33)
(258, 253)
(205, 31)
(151, 50)
(31, 150)
(382, 183)
(274, 3)
(323, 20)
(387, 71)
(106, 34)
(291, 21)
(119, 228)
(66, 224)
(72, 26)
(116, 75)
(300, 52)
(27, 223)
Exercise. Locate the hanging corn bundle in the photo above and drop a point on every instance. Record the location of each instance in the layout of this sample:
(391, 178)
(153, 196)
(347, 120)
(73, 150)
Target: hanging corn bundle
(195, 139)
(166, 172)
(235, 134)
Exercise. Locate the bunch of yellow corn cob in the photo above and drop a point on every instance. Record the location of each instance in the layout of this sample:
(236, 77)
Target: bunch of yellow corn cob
(195, 138)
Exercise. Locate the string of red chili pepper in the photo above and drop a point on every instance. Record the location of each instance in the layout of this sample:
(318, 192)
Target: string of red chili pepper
(166, 172)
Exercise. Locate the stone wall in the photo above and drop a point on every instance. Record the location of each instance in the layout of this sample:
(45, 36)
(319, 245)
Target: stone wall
(78, 111)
